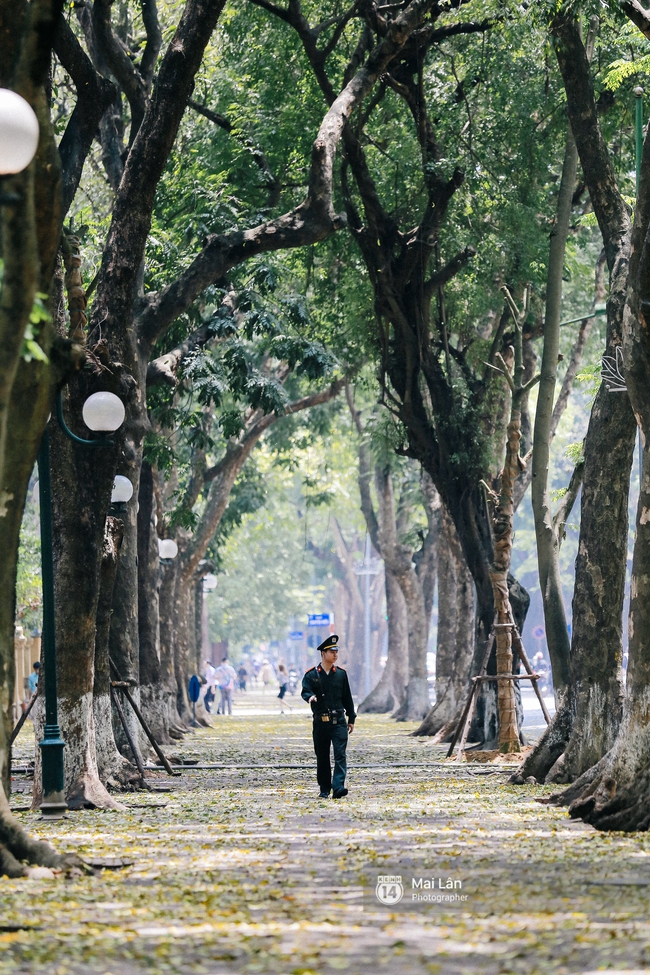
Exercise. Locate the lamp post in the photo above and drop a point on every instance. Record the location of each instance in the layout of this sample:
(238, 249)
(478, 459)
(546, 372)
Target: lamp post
(103, 413)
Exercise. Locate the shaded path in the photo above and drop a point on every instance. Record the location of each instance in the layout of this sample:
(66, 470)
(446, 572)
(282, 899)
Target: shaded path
(245, 870)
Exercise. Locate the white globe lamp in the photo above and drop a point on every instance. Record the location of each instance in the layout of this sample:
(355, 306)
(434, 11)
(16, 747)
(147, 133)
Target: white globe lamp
(18, 133)
(167, 549)
(122, 490)
(209, 582)
(103, 412)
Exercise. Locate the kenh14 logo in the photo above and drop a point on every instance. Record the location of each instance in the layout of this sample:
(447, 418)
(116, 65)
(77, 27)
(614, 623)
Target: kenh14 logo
(389, 890)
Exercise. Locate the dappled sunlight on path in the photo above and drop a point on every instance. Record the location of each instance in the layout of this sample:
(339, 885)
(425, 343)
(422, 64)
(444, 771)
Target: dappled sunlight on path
(241, 868)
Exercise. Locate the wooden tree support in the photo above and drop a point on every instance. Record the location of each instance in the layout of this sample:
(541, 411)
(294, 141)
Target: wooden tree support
(465, 722)
(124, 687)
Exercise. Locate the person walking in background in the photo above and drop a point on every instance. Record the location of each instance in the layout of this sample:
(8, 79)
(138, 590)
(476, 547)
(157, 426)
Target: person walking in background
(266, 675)
(242, 674)
(283, 680)
(32, 680)
(226, 678)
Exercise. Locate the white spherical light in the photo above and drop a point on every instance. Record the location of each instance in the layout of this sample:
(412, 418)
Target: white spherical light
(103, 412)
(167, 548)
(122, 490)
(18, 133)
(210, 582)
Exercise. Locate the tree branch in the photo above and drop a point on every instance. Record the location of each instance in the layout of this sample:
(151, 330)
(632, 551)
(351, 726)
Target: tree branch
(94, 95)
(638, 15)
(119, 63)
(165, 368)
(154, 40)
(609, 206)
(448, 272)
(312, 221)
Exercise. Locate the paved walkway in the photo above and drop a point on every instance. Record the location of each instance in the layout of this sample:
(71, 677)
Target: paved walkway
(241, 868)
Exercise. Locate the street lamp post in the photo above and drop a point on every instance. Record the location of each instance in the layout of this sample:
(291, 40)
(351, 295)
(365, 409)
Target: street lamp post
(103, 413)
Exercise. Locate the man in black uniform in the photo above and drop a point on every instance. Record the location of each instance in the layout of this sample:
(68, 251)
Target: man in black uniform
(327, 689)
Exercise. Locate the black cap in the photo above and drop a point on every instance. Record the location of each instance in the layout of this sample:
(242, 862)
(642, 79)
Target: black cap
(327, 644)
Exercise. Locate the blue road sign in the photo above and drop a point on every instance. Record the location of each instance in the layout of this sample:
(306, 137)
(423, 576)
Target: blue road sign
(194, 688)
(318, 619)
(296, 635)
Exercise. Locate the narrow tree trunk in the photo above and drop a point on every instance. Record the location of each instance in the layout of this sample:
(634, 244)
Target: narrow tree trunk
(152, 692)
(124, 635)
(390, 692)
(173, 723)
(114, 769)
(548, 543)
(502, 520)
(398, 558)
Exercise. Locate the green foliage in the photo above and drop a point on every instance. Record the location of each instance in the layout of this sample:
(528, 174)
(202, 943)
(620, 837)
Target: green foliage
(29, 590)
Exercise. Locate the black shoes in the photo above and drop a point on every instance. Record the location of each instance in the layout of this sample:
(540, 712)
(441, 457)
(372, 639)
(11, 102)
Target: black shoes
(340, 793)
(323, 795)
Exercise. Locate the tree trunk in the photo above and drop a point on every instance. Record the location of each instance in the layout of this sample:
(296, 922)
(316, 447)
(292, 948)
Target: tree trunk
(114, 769)
(399, 560)
(585, 726)
(124, 636)
(456, 627)
(28, 409)
(164, 701)
(82, 479)
(548, 542)
(152, 692)
(613, 794)
(390, 692)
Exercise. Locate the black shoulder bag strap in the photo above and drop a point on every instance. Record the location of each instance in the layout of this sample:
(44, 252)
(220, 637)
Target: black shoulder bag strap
(322, 686)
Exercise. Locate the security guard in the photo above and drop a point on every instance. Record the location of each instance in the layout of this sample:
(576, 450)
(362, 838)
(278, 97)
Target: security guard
(327, 689)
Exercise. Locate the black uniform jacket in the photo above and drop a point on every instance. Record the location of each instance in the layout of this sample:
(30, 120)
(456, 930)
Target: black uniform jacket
(336, 688)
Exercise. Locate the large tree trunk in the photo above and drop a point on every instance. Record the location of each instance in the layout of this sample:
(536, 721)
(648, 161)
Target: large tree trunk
(586, 724)
(613, 795)
(455, 645)
(28, 409)
(82, 479)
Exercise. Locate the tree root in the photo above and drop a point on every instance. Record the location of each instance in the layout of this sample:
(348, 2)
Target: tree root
(548, 749)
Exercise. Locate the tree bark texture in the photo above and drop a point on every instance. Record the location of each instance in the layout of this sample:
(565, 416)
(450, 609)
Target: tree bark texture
(585, 727)
(613, 794)
(456, 622)
(548, 543)
(399, 560)
(114, 769)
(390, 691)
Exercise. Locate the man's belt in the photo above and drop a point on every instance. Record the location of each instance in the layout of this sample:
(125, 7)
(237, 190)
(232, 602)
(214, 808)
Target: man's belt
(334, 716)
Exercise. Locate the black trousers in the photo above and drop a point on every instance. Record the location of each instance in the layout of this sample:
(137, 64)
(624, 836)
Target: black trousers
(329, 736)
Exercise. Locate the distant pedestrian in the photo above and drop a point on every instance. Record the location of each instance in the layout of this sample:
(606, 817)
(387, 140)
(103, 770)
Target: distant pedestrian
(327, 689)
(283, 680)
(242, 674)
(32, 680)
(266, 674)
(226, 677)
